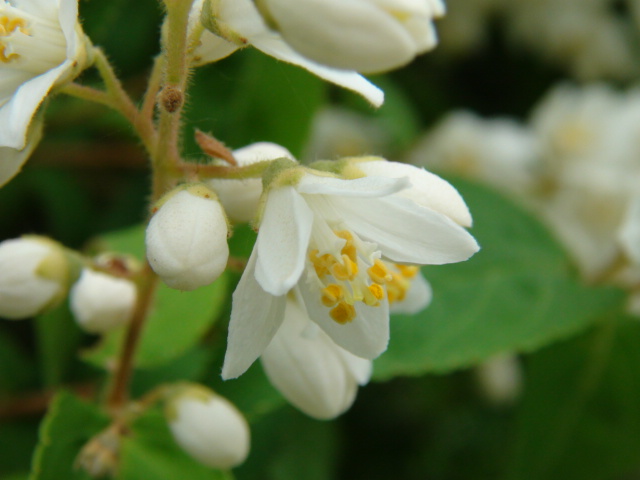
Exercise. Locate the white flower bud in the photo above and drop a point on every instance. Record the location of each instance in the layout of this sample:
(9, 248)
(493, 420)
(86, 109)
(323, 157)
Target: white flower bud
(187, 238)
(240, 198)
(101, 302)
(33, 276)
(500, 379)
(363, 35)
(310, 370)
(208, 427)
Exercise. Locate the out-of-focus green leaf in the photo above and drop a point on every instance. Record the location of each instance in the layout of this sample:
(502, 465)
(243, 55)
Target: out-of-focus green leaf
(66, 428)
(579, 416)
(16, 368)
(299, 448)
(129, 240)
(58, 339)
(256, 99)
(251, 392)
(176, 322)
(17, 438)
(518, 293)
(150, 453)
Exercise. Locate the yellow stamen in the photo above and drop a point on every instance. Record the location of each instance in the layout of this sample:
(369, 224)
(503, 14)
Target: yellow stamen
(343, 313)
(408, 271)
(379, 272)
(331, 294)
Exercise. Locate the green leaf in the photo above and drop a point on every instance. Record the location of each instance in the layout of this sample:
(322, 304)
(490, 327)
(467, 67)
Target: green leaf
(299, 448)
(66, 428)
(150, 453)
(129, 240)
(58, 339)
(176, 323)
(518, 293)
(579, 416)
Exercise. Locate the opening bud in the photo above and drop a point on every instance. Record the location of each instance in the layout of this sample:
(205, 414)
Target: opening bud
(313, 373)
(207, 426)
(241, 198)
(101, 302)
(34, 276)
(187, 237)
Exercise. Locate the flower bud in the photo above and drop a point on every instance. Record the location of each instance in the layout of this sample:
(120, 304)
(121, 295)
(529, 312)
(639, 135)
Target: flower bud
(240, 198)
(208, 427)
(363, 35)
(101, 302)
(309, 369)
(34, 273)
(187, 238)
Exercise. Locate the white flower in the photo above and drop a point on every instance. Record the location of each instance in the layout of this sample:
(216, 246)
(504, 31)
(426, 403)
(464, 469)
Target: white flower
(629, 234)
(309, 369)
(33, 276)
(498, 151)
(363, 35)
(208, 427)
(240, 198)
(41, 46)
(186, 239)
(334, 239)
(101, 302)
(237, 23)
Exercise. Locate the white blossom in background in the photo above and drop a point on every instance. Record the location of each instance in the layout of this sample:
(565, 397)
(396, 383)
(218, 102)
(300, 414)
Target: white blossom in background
(41, 46)
(33, 276)
(186, 239)
(591, 169)
(339, 241)
(101, 302)
(498, 151)
(587, 36)
(208, 427)
(313, 373)
(362, 35)
(629, 233)
(235, 24)
(465, 28)
(240, 198)
(337, 132)
(500, 379)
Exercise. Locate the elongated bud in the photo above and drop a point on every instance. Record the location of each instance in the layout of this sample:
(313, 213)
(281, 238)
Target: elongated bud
(187, 238)
(34, 276)
(207, 426)
(240, 198)
(314, 374)
(100, 302)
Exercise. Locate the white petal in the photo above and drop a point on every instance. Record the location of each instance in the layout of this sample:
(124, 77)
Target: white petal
(255, 318)
(360, 368)
(406, 232)
(426, 189)
(359, 187)
(12, 160)
(308, 368)
(211, 49)
(282, 240)
(17, 113)
(630, 232)
(366, 336)
(417, 298)
(273, 45)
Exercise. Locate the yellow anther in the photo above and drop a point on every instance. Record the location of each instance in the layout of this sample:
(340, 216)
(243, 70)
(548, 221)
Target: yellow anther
(343, 313)
(379, 272)
(397, 289)
(11, 25)
(321, 264)
(4, 58)
(349, 248)
(344, 234)
(331, 294)
(377, 291)
(408, 271)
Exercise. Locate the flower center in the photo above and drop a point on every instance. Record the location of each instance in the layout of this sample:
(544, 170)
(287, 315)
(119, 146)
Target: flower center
(8, 25)
(29, 43)
(349, 276)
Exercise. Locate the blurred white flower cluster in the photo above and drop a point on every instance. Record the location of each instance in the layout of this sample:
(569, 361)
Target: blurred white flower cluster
(576, 162)
(593, 39)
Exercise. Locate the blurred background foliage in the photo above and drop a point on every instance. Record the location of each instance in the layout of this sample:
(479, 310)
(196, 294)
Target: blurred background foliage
(427, 415)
